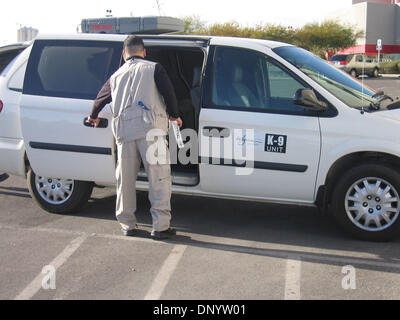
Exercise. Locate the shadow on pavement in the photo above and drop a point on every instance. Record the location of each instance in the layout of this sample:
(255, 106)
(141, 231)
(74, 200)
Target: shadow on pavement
(3, 177)
(277, 224)
(261, 224)
(12, 191)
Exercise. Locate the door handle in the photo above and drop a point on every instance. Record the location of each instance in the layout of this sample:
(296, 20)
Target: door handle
(216, 132)
(102, 124)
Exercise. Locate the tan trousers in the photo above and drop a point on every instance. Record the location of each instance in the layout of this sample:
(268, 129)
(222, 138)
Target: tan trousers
(130, 155)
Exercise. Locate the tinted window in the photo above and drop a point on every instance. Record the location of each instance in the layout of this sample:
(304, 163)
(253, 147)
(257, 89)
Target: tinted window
(71, 69)
(282, 87)
(8, 56)
(249, 80)
(341, 57)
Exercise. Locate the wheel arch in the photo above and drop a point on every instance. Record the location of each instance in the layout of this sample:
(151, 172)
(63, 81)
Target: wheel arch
(324, 195)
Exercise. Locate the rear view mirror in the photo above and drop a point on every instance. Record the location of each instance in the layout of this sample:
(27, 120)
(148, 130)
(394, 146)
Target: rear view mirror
(307, 98)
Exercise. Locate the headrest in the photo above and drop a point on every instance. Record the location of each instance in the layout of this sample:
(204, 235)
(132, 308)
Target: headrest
(237, 74)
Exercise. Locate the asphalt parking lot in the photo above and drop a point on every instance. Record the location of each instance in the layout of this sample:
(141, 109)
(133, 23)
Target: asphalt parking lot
(224, 250)
(390, 84)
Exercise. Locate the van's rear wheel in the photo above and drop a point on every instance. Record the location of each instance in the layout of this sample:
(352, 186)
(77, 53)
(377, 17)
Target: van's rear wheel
(58, 195)
(366, 202)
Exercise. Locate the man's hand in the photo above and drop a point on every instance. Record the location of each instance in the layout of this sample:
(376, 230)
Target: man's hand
(95, 122)
(178, 121)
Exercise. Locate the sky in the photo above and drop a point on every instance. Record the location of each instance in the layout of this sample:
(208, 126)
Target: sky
(54, 16)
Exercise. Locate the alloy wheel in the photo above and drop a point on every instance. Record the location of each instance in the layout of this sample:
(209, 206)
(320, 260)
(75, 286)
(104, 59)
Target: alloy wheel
(54, 191)
(372, 204)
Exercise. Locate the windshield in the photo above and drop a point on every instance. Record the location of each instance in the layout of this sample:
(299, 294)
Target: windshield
(341, 85)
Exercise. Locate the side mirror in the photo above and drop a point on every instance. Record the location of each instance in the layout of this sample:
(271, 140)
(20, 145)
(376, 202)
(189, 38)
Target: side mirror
(307, 98)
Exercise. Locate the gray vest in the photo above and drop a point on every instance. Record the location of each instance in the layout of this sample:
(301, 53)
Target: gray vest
(137, 105)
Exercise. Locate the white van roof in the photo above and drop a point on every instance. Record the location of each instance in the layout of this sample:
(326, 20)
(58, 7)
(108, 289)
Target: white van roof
(121, 37)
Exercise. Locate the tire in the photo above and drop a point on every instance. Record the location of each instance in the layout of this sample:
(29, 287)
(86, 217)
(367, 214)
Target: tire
(60, 196)
(366, 202)
(353, 73)
(375, 73)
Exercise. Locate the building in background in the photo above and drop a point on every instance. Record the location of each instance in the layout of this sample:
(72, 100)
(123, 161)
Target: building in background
(26, 34)
(377, 19)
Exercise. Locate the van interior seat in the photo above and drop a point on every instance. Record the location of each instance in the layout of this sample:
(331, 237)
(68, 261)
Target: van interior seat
(242, 95)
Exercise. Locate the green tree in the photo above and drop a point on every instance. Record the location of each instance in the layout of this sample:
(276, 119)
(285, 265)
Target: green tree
(273, 32)
(317, 37)
(327, 36)
(227, 29)
(194, 25)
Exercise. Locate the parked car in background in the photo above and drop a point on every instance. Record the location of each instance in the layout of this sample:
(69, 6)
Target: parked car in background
(355, 64)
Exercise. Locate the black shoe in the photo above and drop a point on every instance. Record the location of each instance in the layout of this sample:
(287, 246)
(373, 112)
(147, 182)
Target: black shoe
(161, 235)
(130, 233)
(3, 177)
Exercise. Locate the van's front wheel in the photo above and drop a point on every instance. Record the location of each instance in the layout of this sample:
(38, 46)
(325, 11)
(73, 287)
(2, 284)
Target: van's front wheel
(58, 195)
(366, 202)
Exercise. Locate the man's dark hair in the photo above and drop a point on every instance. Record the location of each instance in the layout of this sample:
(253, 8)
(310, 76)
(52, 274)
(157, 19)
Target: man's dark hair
(133, 44)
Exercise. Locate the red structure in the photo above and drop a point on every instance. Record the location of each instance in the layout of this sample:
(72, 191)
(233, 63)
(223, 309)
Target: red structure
(370, 49)
(376, 19)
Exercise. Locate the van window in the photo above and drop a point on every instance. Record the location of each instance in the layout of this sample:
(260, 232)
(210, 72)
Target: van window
(7, 58)
(16, 81)
(71, 69)
(251, 81)
(281, 87)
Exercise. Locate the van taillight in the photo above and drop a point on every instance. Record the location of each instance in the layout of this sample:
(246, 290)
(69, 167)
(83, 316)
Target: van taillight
(343, 63)
(1, 105)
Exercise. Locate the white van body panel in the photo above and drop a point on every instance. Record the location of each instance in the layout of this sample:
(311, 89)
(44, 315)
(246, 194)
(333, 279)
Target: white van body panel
(63, 125)
(12, 147)
(329, 139)
(302, 149)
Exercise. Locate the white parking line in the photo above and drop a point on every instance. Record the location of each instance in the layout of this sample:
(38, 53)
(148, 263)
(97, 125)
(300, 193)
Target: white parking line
(36, 284)
(239, 246)
(165, 273)
(292, 278)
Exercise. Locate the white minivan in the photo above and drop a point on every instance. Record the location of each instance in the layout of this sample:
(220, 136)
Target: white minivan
(319, 137)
